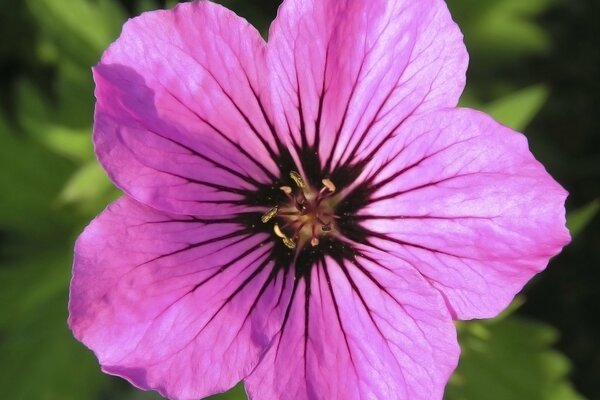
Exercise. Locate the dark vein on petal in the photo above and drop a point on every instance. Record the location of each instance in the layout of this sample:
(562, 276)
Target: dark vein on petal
(416, 188)
(237, 146)
(339, 318)
(338, 133)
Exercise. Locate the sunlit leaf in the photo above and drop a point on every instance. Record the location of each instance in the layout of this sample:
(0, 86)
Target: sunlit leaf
(510, 358)
(75, 144)
(89, 189)
(518, 109)
(579, 219)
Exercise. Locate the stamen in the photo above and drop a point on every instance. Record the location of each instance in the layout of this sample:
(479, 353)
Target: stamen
(269, 215)
(298, 180)
(286, 240)
(289, 243)
(306, 216)
(278, 231)
(328, 184)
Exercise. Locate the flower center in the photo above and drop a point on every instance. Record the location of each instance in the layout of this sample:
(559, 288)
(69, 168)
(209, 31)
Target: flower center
(305, 215)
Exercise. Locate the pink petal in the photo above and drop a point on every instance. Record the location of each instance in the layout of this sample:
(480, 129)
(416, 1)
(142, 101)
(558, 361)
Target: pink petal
(179, 124)
(461, 198)
(175, 304)
(350, 71)
(360, 331)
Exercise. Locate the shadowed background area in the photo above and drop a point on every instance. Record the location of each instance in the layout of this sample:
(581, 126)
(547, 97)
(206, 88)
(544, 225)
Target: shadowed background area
(534, 66)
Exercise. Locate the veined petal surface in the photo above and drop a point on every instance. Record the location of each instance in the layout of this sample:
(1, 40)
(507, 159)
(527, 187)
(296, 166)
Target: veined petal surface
(461, 198)
(179, 123)
(163, 300)
(372, 328)
(346, 73)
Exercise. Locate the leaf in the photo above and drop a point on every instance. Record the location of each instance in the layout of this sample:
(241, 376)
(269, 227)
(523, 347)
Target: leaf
(510, 358)
(31, 178)
(81, 29)
(498, 31)
(579, 219)
(75, 144)
(46, 363)
(89, 189)
(518, 109)
(237, 393)
(145, 5)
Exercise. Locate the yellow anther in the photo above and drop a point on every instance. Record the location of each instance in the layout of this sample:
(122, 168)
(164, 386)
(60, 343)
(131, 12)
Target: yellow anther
(289, 243)
(286, 189)
(328, 184)
(278, 231)
(298, 179)
(314, 242)
(269, 215)
(286, 240)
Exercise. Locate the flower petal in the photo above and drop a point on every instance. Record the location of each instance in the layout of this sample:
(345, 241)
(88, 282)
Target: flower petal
(461, 198)
(163, 299)
(348, 72)
(179, 123)
(360, 331)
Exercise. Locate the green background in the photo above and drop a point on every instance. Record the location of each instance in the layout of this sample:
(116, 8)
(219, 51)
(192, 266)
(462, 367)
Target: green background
(535, 66)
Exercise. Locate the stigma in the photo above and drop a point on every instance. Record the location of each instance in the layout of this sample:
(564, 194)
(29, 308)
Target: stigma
(306, 214)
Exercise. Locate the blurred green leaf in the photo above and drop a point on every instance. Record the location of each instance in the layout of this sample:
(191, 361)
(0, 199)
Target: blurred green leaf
(579, 219)
(81, 29)
(89, 189)
(498, 31)
(518, 109)
(510, 358)
(145, 5)
(45, 362)
(36, 116)
(74, 144)
(73, 104)
(31, 178)
(237, 393)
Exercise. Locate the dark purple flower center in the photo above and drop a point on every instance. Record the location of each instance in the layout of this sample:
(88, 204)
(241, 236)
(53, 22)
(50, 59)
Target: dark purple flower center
(305, 215)
(309, 217)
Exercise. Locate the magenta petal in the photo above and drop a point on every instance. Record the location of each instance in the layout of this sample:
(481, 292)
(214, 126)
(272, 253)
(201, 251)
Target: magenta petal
(368, 329)
(179, 124)
(461, 198)
(175, 304)
(349, 72)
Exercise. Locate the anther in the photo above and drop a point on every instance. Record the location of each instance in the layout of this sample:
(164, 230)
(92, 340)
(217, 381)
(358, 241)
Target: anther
(269, 215)
(278, 231)
(289, 243)
(286, 189)
(314, 242)
(328, 184)
(297, 179)
(286, 240)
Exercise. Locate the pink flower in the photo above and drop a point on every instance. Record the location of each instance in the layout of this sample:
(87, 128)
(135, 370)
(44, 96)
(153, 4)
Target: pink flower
(308, 215)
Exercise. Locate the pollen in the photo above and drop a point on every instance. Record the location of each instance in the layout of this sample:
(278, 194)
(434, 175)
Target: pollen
(306, 215)
(298, 180)
(269, 215)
